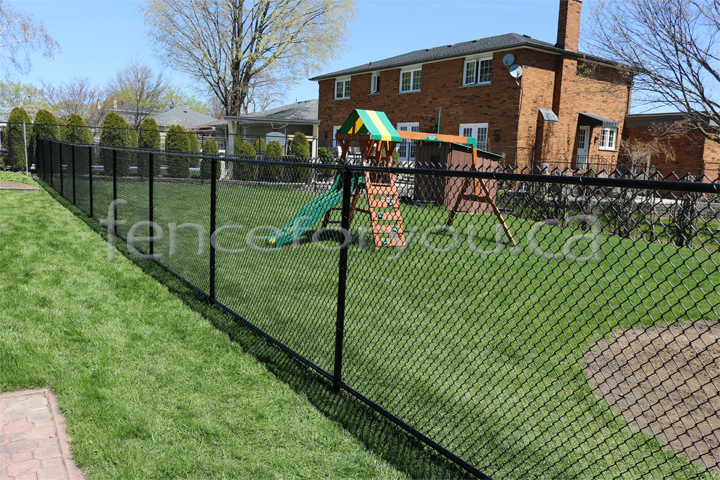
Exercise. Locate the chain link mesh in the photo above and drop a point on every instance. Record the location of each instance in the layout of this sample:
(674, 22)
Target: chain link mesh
(580, 343)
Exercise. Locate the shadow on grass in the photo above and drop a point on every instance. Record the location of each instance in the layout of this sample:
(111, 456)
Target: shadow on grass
(376, 432)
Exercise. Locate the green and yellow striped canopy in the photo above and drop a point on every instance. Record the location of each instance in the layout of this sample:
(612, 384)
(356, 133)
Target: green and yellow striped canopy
(372, 122)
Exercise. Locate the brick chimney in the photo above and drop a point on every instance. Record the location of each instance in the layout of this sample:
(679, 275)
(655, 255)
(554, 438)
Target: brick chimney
(568, 34)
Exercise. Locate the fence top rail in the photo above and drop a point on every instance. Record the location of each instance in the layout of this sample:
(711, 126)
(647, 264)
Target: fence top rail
(693, 187)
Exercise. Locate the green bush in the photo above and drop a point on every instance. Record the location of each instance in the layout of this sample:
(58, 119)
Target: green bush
(299, 146)
(177, 141)
(77, 131)
(209, 148)
(260, 145)
(15, 140)
(326, 154)
(194, 147)
(300, 150)
(45, 126)
(244, 171)
(132, 143)
(274, 153)
(149, 139)
(62, 130)
(114, 133)
(194, 144)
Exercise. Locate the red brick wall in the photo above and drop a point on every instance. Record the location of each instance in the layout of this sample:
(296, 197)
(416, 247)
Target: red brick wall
(569, 24)
(589, 89)
(711, 159)
(511, 112)
(693, 153)
(496, 104)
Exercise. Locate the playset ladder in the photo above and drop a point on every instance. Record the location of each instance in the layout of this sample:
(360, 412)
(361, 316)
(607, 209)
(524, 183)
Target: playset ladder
(382, 196)
(384, 210)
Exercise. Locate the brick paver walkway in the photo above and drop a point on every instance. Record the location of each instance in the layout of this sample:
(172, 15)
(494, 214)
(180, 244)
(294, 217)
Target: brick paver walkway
(33, 443)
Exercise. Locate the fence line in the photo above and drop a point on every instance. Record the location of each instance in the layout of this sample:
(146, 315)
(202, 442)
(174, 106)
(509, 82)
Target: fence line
(585, 348)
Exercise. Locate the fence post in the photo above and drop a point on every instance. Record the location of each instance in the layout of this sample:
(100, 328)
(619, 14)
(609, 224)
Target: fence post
(90, 187)
(114, 177)
(62, 186)
(52, 180)
(151, 198)
(213, 209)
(342, 281)
(72, 162)
(39, 158)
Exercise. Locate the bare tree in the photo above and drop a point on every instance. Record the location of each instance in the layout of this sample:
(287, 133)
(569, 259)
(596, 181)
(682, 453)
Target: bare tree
(670, 47)
(225, 44)
(656, 142)
(140, 89)
(76, 96)
(215, 108)
(264, 91)
(20, 36)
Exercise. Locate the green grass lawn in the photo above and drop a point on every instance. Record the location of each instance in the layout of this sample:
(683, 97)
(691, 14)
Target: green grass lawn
(150, 388)
(482, 352)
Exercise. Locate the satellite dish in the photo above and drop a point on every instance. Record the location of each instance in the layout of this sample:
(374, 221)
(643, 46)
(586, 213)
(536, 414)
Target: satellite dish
(516, 71)
(508, 59)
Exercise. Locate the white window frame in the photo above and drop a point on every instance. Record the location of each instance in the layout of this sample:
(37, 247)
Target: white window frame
(375, 83)
(336, 128)
(408, 148)
(475, 63)
(415, 73)
(476, 131)
(608, 138)
(346, 84)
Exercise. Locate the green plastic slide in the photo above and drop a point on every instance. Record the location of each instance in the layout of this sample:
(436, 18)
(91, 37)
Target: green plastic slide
(311, 212)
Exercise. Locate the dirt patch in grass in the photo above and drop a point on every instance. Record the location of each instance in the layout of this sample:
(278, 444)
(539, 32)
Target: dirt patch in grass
(666, 383)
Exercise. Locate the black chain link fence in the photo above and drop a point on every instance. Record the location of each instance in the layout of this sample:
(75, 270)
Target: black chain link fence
(581, 343)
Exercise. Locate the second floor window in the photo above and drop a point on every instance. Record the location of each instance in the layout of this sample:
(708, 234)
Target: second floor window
(342, 88)
(410, 81)
(375, 83)
(477, 71)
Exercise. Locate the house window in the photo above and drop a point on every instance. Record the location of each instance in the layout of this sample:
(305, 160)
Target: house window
(336, 129)
(410, 80)
(342, 89)
(608, 137)
(407, 149)
(375, 83)
(478, 70)
(479, 131)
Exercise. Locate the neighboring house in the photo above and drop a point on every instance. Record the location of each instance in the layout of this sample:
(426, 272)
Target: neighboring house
(279, 124)
(692, 153)
(215, 130)
(564, 109)
(183, 116)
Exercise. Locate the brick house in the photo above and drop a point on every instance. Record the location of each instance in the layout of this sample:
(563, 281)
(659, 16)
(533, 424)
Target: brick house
(693, 154)
(566, 109)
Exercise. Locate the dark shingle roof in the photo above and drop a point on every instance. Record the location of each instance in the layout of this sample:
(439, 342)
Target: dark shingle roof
(182, 116)
(498, 42)
(305, 111)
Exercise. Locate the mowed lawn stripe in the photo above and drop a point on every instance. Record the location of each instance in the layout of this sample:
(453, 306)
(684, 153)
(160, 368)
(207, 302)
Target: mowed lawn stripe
(149, 387)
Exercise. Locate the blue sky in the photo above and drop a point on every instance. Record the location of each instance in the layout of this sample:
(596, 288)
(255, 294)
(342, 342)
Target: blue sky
(98, 37)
